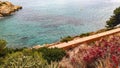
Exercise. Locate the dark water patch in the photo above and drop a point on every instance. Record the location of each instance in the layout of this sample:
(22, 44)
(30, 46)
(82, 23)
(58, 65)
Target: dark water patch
(53, 20)
(24, 38)
(43, 18)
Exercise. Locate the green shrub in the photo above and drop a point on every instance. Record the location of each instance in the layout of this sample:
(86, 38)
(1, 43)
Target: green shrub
(2, 48)
(27, 58)
(52, 54)
(66, 39)
(2, 45)
(84, 34)
(21, 60)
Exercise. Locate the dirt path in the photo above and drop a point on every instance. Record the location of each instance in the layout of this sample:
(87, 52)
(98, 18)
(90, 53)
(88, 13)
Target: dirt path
(75, 42)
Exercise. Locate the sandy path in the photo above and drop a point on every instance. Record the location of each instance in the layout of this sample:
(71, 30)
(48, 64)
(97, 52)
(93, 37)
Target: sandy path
(75, 42)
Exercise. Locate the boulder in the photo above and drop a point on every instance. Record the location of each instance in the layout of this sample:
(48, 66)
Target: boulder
(7, 8)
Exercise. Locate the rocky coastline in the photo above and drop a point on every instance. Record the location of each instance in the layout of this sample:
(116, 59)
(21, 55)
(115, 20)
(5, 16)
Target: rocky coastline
(7, 8)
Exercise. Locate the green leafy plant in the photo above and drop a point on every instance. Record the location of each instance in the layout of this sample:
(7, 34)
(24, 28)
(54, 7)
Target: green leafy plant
(84, 34)
(2, 45)
(66, 39)
(21, 60)
(52, 54)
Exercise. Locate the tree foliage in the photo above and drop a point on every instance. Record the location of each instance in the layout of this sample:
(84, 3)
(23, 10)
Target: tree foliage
(114, 20)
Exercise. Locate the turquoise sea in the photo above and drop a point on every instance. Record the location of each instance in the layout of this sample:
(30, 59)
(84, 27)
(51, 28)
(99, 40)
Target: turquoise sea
(46, 21)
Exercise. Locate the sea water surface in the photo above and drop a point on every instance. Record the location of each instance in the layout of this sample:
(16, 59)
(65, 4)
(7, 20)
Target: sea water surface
(46, 21)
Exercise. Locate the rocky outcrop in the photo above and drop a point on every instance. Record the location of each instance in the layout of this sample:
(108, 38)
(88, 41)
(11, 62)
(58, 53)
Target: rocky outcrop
(7, 8)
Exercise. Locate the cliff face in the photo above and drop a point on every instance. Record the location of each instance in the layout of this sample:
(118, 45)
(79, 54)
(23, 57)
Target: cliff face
(7, 8)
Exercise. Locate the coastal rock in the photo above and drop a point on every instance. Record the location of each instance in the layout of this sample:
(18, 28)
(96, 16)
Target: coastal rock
(1, 15)
(7, 8)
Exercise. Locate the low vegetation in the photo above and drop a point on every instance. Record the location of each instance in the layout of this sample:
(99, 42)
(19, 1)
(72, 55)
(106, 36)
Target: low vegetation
(66, 39)
(2, 45)
(52, 54)
(29, 58)
(22, 60)
(84, 34)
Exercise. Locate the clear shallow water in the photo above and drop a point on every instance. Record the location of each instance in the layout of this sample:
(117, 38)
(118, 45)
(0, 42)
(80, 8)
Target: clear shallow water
(46, 21)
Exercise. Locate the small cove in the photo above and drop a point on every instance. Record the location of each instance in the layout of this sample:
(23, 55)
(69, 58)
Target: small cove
(46, 21)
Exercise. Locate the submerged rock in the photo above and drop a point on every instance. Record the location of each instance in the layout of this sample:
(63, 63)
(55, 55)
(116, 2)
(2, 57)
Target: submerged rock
(7, 8)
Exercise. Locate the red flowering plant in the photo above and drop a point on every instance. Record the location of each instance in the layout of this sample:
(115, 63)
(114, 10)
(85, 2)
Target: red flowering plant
(100, 50)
